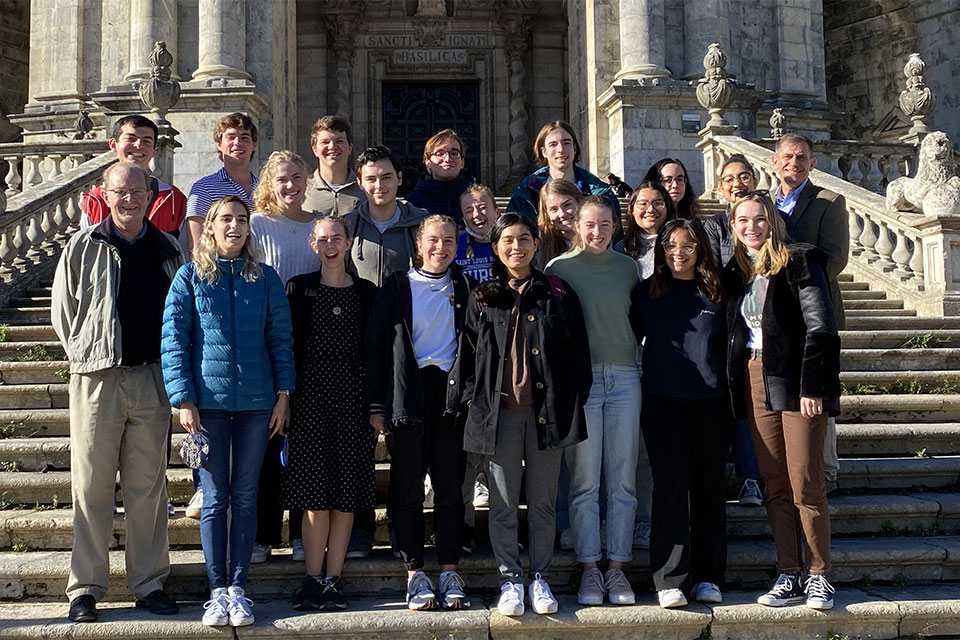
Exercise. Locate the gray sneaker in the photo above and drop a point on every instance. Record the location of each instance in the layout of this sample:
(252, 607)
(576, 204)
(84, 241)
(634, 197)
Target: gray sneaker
(452, 591)
(618, 587)
(641, 535)
(420, 592)
(591, 590)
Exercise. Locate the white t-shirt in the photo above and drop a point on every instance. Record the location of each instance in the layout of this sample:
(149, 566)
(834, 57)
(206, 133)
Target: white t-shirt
(285, 244)
(752, 310)
(434, 333)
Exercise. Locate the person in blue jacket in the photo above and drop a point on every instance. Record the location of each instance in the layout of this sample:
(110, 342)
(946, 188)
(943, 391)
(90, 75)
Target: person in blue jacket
(444, 155)
(227, 358)
(557, 151)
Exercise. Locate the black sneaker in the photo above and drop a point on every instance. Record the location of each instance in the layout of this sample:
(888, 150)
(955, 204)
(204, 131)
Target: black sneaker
(332, 597)
(307, 597)
(788, 589)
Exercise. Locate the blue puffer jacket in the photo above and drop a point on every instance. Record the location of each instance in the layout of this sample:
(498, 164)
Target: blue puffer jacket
(228, 345)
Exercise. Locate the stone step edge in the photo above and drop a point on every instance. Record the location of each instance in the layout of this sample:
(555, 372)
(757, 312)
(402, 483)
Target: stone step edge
(873, 613)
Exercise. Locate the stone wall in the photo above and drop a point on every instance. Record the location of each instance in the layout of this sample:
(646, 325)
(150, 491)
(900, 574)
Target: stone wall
(14, 61)
(938, 42)
(863, 84)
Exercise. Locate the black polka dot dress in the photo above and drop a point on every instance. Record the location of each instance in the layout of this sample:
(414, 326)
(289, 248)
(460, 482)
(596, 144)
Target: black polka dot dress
(331, 442)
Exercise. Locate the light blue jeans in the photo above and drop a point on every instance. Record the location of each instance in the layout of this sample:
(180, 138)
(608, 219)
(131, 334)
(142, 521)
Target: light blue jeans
(613, 439)
(231, 483)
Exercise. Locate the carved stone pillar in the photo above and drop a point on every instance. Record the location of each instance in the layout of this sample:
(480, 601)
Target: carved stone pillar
(916, 101)
(704, 22)
(342, 29)
(223, 42)
(150, 21)
(516, 33)
(642, 39)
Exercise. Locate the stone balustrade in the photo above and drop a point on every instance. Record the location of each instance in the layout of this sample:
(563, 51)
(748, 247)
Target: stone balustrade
(27, 167)
(911, 256)
(38, 222)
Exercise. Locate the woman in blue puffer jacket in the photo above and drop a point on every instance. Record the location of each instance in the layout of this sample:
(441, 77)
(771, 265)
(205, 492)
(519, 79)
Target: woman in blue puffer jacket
(227, 356)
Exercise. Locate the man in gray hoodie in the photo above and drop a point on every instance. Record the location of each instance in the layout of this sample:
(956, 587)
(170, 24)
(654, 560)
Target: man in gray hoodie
(383, 228)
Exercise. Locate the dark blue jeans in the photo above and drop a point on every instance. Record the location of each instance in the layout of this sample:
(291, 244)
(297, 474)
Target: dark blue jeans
(231, 484)
(744, 459)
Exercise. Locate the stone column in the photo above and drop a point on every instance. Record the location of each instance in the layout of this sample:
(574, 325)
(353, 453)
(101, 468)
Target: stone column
(223, 42)
(642, 39)
(704, 22)
(516, 32)
(151, 21)
(800, 42)
(342, 30)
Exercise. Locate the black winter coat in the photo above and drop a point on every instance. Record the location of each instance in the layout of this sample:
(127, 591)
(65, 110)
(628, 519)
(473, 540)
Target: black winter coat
(394, 386)
(801, 347)
(560, 372)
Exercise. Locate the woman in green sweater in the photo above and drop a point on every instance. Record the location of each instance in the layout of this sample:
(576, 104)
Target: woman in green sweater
(604, 280)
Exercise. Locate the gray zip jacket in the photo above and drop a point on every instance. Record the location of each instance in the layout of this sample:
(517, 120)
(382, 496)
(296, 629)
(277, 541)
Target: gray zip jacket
(374, 256)
(84, 306)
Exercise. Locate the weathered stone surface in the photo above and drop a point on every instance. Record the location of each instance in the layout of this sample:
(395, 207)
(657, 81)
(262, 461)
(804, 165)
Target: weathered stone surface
(935, 190)
(925, 610)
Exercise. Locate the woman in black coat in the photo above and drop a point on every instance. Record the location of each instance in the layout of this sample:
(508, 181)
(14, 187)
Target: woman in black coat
(526, 366)
(783, 366)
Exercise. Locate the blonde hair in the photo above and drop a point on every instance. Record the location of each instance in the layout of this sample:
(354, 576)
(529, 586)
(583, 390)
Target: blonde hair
(433, 218)
(772, 256)
(265, 200)
(205, 253)
(552, 242)
(599, 203)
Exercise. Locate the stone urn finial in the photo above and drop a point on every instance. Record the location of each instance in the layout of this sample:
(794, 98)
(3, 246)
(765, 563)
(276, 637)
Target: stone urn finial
(714, 90)
(777, 120)
(917, 100)
(159, 93)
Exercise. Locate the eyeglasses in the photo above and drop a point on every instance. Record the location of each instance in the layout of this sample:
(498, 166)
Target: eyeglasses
(743, 178)
(136, 194)
(453, 154)
(687, 248)
(642, 205)
(679, 180)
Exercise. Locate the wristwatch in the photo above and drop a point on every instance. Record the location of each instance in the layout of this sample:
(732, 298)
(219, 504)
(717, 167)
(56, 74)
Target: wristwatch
(283, 392)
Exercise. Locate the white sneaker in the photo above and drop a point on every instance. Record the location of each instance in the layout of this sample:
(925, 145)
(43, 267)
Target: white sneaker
(298, 555)
(641, 535)
(420, 592)
(541, 598)
(171, 510)
(511, 599)
(215, 609)
(750, 494)
(819, 593)
(195, 506)
(481, 494)
(259, 554)
(452, 591)
(707, 592)
(427, 492)
(238, 607)
(670, 598)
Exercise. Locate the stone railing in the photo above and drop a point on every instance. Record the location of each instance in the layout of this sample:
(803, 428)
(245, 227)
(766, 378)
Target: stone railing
(27, 167)
(871, 165)
(910, 256)
(38, 222)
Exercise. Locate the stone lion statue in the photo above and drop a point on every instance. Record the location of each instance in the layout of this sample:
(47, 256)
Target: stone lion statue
(935, 191)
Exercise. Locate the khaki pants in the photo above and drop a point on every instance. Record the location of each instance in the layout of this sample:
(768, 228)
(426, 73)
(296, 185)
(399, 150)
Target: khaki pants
(789, 452)
(119, 419)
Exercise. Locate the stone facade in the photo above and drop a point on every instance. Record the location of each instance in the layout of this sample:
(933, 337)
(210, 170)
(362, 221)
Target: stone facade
(623, 72)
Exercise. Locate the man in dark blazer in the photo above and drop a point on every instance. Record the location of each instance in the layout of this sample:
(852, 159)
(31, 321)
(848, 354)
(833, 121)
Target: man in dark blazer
(816, 216)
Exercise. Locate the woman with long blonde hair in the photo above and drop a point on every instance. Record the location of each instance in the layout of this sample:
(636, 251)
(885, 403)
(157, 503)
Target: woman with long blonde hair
(281, 229)
(226, 313)
(783, 372)
(558, 205)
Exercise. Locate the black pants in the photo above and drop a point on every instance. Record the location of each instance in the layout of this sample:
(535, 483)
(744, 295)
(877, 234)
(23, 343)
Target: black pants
(687, 442)
(269, 506)
(436, 446)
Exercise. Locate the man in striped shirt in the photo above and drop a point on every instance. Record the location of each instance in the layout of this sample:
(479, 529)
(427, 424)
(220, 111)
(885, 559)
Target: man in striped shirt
(236, 138)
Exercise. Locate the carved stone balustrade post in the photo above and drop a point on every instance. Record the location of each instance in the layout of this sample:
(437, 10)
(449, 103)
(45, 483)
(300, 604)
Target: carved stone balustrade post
(854, 222)
(868, 239)
(714, 89)
(884, 247)
(854, 175)
(901, 255)
(917, 100)
(13, 175)
(160, 94)
(777, 120)
(31, 172)
(834, 164)
(874, 179)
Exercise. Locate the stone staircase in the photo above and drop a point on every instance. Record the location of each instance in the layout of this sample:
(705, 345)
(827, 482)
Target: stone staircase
(896, 524)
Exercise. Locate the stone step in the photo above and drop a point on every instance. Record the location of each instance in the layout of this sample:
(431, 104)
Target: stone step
(904, 360)
(34, 372)
(851, 292)
(20, 351)
(848, 285)
(25, 315)
(876, 322)
(861, 312)
(28, 423)
(936, 381)
(33, 396)
(897, 440)
(897, 338)
(32, 301)
(28, 333)
(877, 612)
(881, 303)
(42, 290)
(53, 487)
(922, 514)
(900, 408)
(42, 575)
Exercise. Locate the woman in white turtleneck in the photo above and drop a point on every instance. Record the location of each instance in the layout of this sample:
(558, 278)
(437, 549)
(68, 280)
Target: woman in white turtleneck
(650, 207)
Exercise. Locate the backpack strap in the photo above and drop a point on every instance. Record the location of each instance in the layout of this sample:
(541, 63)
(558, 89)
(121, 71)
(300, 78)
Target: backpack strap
(556, 285)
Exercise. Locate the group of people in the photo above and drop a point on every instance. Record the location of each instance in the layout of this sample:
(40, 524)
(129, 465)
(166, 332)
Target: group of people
(602, 373)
